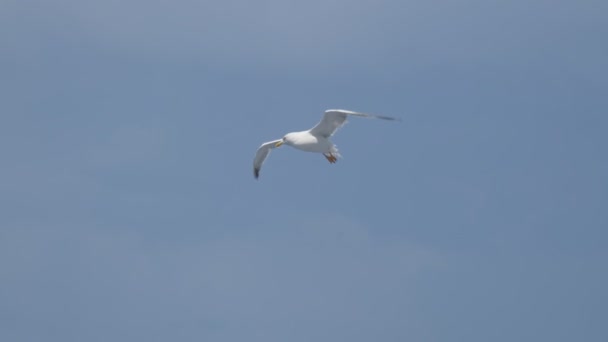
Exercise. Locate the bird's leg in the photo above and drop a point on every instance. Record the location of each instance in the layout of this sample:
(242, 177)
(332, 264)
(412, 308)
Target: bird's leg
(330, 157)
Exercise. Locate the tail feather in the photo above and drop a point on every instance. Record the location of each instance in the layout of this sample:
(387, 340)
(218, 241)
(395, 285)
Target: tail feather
(334, 151)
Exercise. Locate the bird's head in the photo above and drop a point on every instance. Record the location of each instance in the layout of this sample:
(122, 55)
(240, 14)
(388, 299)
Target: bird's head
(288, 139)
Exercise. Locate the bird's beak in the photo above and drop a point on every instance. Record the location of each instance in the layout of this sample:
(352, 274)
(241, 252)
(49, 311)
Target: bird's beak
(278, 144)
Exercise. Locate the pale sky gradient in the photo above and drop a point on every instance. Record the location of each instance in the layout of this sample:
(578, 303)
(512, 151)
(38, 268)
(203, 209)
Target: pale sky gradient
(129, 211)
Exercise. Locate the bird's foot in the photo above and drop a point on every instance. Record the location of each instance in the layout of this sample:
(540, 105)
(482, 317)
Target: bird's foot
(331, 158)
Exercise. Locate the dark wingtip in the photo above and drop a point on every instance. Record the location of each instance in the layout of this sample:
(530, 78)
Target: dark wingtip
(256, 173)
(388, 118)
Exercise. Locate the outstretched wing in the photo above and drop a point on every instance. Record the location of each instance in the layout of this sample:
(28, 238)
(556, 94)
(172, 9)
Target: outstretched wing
(260, 156)
(335, 118)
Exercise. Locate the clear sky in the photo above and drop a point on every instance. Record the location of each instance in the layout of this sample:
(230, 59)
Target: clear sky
(129, 211)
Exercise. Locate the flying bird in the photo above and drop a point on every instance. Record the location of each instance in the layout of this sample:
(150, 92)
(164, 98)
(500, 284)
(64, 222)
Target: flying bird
(315, 139)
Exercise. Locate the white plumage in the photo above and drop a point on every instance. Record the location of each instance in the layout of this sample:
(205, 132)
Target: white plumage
(315, 139)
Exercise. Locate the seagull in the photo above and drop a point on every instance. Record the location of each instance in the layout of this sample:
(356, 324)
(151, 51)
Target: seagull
(315, 139)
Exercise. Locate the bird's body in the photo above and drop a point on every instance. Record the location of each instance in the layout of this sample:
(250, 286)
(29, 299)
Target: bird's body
(308, 142)
(315, 139)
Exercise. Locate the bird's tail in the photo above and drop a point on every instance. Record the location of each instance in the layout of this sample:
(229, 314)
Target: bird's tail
(334, 151)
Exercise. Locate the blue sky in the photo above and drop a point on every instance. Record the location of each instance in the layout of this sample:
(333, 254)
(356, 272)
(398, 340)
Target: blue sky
(129, 212)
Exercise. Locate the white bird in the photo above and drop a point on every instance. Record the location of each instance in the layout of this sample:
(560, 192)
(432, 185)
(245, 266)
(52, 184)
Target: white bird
(315, 139)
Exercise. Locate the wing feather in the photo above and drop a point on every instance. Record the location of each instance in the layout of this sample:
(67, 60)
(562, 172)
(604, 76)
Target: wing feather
(336, 118)
(261, 155)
